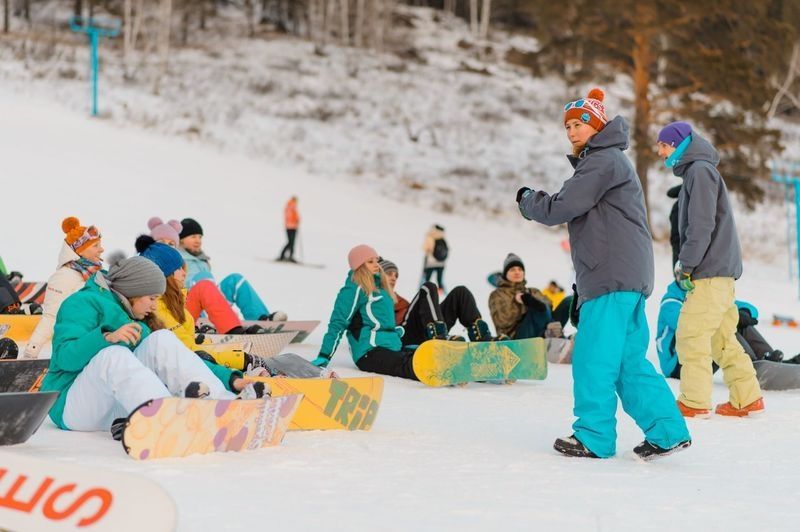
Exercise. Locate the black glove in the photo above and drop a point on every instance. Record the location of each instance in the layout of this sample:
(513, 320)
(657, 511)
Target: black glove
(199, 339)
(574, 312)
(14, 277)
(521, 192)
(533, 302)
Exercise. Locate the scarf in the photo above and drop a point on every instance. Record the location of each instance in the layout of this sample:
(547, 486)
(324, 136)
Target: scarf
(84, 267)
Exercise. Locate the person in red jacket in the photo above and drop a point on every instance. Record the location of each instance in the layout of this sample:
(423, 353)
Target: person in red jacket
(291, 222)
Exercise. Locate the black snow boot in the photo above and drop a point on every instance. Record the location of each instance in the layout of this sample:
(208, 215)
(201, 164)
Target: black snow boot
(776, 355)
(570, 446)
(196, 390)
(436, 330)
(255, 329)
(649, 451)
(794, 360)
(8, 349)
(118, 427)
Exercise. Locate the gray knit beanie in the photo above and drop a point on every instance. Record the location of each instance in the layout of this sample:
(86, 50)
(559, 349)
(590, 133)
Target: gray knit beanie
(136, 277)
(388, 266)
(511, 261)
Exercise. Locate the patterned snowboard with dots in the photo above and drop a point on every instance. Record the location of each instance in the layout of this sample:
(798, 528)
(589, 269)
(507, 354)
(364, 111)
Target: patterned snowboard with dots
(175, 427)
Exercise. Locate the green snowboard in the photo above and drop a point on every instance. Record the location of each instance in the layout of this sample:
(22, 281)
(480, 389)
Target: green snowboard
(443, 363)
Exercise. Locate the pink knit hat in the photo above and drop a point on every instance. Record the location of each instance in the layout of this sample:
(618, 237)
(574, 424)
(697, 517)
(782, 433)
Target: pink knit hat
(359, 255)
(167, 231)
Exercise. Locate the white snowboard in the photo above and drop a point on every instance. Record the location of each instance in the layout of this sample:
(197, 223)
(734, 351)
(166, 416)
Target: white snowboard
(48, 495)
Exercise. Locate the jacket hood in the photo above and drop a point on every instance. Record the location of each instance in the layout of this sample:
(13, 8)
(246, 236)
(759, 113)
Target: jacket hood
(698, 150)
(614, 135)
(66, 255)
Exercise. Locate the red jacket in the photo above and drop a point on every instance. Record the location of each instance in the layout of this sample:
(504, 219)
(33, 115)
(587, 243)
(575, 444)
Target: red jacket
(400, 309)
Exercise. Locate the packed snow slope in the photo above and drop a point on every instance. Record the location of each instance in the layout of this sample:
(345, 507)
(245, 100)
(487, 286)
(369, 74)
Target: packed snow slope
(470, 458)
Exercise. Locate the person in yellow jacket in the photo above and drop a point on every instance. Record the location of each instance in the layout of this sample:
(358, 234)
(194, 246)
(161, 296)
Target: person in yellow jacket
(170, 307)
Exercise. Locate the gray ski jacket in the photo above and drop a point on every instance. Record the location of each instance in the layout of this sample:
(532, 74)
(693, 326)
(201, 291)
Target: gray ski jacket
(603, 207)
(708, 238)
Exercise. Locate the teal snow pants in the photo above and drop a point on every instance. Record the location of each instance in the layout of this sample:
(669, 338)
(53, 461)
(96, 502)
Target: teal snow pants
(609, 360)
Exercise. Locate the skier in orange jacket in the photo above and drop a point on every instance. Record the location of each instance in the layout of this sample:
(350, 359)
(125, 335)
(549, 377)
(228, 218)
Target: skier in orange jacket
(291, 222)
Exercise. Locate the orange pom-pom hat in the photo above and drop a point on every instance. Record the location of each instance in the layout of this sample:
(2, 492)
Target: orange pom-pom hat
(78, 237)
(589, 110)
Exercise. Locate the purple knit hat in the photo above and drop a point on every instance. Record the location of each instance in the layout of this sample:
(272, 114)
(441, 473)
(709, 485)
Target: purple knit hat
(164, 230)
(675, 133)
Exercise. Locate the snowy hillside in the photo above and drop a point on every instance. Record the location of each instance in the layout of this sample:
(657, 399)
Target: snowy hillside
(472, 458)
(438, 121)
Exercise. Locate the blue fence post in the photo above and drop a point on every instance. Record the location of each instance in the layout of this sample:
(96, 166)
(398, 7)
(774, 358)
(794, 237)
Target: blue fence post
(788, 175)
(93, 32)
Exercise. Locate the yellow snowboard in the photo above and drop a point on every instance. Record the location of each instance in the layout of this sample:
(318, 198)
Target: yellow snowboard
(331, 404)
(20, 326)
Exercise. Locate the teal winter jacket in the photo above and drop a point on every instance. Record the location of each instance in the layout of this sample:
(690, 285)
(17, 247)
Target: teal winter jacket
(377, 328)
(81, 322)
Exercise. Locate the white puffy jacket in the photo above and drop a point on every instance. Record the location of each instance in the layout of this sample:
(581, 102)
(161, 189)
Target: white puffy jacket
(62, 284)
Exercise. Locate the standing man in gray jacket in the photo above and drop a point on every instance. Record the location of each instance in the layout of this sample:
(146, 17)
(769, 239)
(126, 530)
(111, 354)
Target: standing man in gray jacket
(709, 262)
(612, 252)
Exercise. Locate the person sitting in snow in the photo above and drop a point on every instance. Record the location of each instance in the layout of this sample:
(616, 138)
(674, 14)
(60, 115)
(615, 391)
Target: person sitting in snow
(771, 373)
(174, 315)
(110, 354)
(522, 312)
(237, 290)
(204, 295)
(377, 345)
(425, 318)
(81, 256)
(612, 253)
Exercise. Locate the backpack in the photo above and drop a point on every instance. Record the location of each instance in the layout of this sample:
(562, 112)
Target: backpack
(440, 249)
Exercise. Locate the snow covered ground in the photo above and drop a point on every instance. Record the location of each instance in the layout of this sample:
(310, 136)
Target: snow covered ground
(472, 458)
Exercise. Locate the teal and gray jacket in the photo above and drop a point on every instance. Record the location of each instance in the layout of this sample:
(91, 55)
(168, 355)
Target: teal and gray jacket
(708, 238)
(377, 328)
(81, 324)
(603, 207)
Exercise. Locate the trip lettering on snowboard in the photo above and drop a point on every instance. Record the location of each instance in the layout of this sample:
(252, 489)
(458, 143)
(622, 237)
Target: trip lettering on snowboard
(355, 410)
(55, 498)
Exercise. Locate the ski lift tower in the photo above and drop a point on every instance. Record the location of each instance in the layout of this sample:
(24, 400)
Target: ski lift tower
(94, 30)
(788, 175)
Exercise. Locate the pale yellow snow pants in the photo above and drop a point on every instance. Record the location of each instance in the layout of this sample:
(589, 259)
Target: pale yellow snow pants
(706, 332)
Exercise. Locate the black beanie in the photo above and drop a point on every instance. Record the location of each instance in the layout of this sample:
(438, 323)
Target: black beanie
(190, 227)
(511, 261)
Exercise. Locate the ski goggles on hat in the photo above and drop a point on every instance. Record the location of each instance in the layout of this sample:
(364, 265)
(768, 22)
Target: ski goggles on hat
(91, 233)
(576, 103)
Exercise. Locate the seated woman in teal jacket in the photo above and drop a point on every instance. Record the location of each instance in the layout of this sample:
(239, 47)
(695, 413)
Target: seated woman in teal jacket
(107, 359)
(376, 346)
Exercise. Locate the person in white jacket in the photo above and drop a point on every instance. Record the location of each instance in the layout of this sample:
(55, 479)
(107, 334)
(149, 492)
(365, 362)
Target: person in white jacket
(80, 257)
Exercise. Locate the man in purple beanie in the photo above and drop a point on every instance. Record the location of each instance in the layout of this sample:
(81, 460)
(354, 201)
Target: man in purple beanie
(709, 262)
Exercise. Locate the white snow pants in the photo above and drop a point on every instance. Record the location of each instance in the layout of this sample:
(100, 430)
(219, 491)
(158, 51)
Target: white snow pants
(117, 380)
